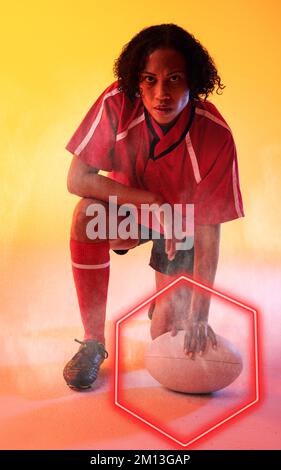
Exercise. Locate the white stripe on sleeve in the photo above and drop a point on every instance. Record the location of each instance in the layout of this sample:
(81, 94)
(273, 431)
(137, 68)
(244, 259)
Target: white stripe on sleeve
(193, 159)
(210, 116)
(93, 127)
(134, 123)
(235, 190)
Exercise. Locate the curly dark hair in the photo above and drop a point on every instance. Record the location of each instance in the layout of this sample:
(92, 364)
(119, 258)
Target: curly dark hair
(202, 73)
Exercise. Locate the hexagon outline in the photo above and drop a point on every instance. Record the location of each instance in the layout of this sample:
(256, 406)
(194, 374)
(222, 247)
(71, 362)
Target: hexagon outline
(256, 357)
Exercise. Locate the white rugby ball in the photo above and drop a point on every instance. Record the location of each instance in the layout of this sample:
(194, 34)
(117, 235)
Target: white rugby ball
(214, 370)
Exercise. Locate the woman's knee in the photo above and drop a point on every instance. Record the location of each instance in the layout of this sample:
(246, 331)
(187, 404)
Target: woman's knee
(160, 321)
(82, 217)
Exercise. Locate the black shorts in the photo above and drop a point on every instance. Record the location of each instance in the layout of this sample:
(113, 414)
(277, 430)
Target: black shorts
(182, 263)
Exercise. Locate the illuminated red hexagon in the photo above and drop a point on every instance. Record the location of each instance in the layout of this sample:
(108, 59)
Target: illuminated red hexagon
(180, 417)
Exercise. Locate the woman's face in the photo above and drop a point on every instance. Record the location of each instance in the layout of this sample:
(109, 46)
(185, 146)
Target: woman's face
(163, 85)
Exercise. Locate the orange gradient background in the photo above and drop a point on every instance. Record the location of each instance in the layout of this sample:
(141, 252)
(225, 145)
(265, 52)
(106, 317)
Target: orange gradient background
(56, 58)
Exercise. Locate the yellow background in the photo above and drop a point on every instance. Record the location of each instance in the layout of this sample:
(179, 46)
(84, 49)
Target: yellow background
(57, 57)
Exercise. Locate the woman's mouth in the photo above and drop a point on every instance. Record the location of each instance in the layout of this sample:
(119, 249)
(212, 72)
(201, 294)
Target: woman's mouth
(163, 110)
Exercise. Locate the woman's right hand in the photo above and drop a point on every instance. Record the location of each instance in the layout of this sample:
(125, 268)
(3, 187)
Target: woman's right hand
(197, 334)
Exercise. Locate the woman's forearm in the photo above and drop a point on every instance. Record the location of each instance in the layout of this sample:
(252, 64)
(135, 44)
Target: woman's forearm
(94, 185)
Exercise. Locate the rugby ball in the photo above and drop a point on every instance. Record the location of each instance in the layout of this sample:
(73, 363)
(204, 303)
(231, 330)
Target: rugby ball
(214, 370)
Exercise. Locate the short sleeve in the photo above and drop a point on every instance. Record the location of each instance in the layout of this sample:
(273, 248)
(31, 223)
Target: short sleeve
(218, 197)
(94, 140)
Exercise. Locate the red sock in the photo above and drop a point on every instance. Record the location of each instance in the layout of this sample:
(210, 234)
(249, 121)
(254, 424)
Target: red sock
(90, 267)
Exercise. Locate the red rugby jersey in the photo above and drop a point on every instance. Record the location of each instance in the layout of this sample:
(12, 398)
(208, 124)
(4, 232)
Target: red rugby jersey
(195, 162)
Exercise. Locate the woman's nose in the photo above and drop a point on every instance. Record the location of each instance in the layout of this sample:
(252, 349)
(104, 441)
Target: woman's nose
(162, 90)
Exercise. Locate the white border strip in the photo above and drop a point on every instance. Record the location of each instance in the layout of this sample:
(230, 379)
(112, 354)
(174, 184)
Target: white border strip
(193, 159)
(90, 266)
(93, 127)
(134, 123)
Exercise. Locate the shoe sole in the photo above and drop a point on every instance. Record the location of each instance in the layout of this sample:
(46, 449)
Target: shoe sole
(80, 388)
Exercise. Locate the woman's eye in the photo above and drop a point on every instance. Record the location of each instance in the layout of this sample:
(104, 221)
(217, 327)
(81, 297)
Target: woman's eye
(174, 78)
(149, 79)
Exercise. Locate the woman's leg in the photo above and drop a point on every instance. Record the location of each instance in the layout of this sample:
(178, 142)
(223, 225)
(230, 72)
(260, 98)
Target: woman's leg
(90, 265)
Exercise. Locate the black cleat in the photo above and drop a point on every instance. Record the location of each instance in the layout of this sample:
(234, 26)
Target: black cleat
(82, 370)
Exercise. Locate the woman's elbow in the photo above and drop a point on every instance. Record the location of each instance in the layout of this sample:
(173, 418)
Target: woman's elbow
(71, 183)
